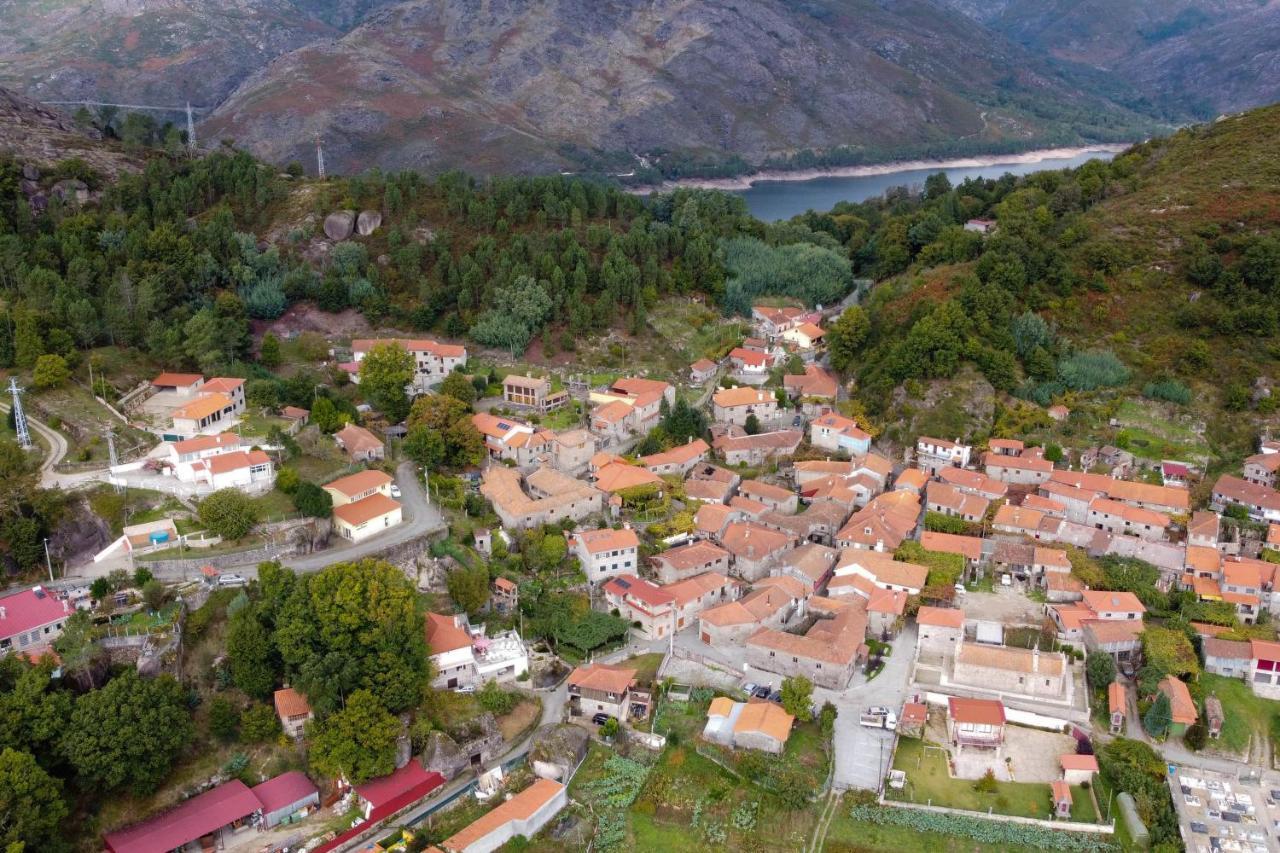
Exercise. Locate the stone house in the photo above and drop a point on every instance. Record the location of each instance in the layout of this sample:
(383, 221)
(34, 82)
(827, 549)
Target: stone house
(1227, 658)
(687, 561)
(748, 725)
(293, 711)
(600, 688)
(941, 630)
(770, 606)
(1028, 672)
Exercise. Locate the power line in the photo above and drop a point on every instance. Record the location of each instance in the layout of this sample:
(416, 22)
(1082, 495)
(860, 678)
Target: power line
(153, 107)
(19, 416)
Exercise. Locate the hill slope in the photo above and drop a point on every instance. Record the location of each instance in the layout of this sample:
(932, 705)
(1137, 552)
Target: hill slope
(526, 86)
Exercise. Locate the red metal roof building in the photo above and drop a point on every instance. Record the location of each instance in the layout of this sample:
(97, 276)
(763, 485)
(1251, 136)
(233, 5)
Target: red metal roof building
(31, 619)
(229, 804)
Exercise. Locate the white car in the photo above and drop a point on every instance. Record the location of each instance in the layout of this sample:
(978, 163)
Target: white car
(231, 580)
(395, 491)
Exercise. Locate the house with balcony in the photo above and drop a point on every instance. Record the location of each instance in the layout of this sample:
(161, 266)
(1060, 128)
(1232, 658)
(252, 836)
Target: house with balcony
(463, 656)
(838, 434)
(933, 454)
(975, 723)
(606, 553)
(600, 688)
(533, 392)
(432, 360)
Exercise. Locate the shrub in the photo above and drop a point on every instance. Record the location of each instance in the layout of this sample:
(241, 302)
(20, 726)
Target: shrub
(259, 724)
(987, 784)
(1169, 390)
(495, 700)
(1091, 370)
(229, 513)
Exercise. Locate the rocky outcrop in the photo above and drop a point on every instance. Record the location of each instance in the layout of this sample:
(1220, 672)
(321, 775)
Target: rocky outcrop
(368, 222)
(467, 743)
(339, 225)
(557, 750)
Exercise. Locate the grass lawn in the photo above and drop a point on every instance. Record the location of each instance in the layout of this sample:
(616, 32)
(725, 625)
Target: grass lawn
(646, 666)
(1244, 714)
(930, 783)
(257, 426)
(566, 418)
(180, 553)
(274, 504)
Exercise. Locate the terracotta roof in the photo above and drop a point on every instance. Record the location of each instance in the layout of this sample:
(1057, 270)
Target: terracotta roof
(177, 380)
(294, 413)
(1265, 650)
(1061, 791)
(702, 365)
(1204, 629)
(690, 589)
(747, 356)
(764, 491)
(1242, 491)
(366, 509)
(691, 556)
(411, 345)
(943, 617)
(887, 601)
(743, 395)
(1116, 700)
(1131, 514)
(291, 703)
(776, 440)
(1062, 582)
(711, 518)
(883, 568)
(765, 718)
(988, 712)
(914, 712)
(911, 478)
(1246, 572)
(1203, 559)
(1107, 631)
(444, 634)
(599, 676)
(1006, 444)
(359, 482)
(618, 476)
(1099, 600)
(225, 384)
(1181, 704)
(647, 592)
(752, 508)
(1045, 505)
(969, 547)
(234, 461)
(1273, 535)
(973, 481)
(814, 382)
(754, 607)
(811, 560)
(1018, 517)
(792, 587)
(961, 503)
(226, 440)
(746, 539)
(1011, 659)
(838, 640)
(1204, 523)
(521, 807)
(1177, 499)
(1023, 463)
(681, 455)
(202, 407)
(721, 706)
(1071, 761)
(356, 439)
(882, 522)
(607, 539)
(1228, 649)
(1073, 616)
(612, 412)
(505, 585)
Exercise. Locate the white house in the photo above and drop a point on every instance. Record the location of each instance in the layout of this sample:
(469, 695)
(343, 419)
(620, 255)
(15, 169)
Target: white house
(240, 469)
(432, 360)
(838, 433)
(935, 453)
(462, 656)
(186, 457)
(366, 517)
(606, 553)
(523, 815)
(31, 620)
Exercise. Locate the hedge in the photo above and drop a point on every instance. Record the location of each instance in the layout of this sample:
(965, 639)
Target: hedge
(987, 832)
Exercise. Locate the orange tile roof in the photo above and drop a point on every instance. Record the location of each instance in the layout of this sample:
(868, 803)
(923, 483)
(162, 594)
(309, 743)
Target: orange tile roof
(1206, 523)
(989, 712)
(681, 455)
(1180, 701)
(884, 568)
(202, 407)
(743, 395)
(1250, 573)
(1116, 698)
(710, 518)
(617, 476)
(1011, 658)
(359, 482)
(1071, 761)
(1024, 463)
(1131, 514)
(1072, 616)
(792, 587)
(1061, 791)
(1018, 517)
(367, 509)
(612, 412)
(765, 718)
(291, 703)
(685, 591)
(234, 461)
(1203, 559)
(207, 442)
(225, 384)
(721, 706)
(702, 365)
(444, 634)
(1045, 505)
(754, 607)
(692, 555)
(177, 380)
(521, 807)
(973, 480)
(356, 439)
(969, 547)
(751, 540)
(599, 676)
(814, 382)
(912, 478)
(599, 541)
(764, 491)
(943, 617)
(1099, 600)
(1105, 631)
(887, 601)
(1265, 650)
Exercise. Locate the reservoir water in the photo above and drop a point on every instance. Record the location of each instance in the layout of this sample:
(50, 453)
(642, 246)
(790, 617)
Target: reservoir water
(774, 200)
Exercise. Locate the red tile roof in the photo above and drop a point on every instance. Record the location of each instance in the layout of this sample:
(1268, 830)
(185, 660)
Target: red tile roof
(599, 676)
(987, 712)
(1071, 761)
(291, 703)
(945, 617)
(444, 634)
(387, 788)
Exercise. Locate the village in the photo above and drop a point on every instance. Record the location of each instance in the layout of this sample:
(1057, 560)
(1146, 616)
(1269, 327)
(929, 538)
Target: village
(771, 609)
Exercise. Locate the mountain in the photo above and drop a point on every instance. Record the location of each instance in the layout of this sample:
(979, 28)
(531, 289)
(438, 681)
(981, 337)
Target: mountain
(1187, 57)
(157, 51)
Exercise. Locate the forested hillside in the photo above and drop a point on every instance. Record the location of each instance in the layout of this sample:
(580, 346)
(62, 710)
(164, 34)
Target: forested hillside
(1155, 275)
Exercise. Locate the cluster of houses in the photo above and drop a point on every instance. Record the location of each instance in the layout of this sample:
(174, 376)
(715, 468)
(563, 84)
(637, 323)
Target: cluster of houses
(432, 360)
(196, 405)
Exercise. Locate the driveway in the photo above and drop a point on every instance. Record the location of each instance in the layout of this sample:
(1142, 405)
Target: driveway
(50, 478)
(862, 754)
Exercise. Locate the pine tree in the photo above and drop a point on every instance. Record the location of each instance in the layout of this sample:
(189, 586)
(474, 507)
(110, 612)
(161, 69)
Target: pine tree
(1158, 717)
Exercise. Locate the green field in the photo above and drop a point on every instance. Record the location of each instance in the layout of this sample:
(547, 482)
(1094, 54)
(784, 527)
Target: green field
(1244, 714)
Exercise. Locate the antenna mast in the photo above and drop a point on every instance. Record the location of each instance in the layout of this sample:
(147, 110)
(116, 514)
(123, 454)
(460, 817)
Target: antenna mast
(319, 158)
(191, 131)
(19, 416)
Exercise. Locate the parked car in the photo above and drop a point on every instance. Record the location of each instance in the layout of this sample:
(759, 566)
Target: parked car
(1197, 826)
(395, 491)
(761, 692)
(796, 421)
(601, 718)
(750, 688)
(775, 697)
(879, 721)
(879, 710)
(466, 688)
(232, 580)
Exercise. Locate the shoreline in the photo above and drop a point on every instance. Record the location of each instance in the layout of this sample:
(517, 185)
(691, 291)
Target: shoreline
(745, 182)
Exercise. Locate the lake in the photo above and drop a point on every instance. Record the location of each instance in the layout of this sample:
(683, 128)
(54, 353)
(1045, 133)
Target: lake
(774, 200)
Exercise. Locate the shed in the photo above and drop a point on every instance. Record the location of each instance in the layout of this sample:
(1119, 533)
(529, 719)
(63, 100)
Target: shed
(228, 806)
(1129, 812)
(285, 796)
(388, 794)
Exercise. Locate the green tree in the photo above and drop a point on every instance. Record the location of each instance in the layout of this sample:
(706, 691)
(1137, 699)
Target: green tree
(28, 345)
(312, 501)
(797, 697)
(153, 595)
(1196, 735)
(78, 647)
(142, 576)
(358, 742)
(269, 352)
(33, 711)
(752, 424)
(249, 652)
(846, 337)
(495, 700)
(1168, 651)
(223, 718)
(128, 732)
(384, 372)
(326, 417)
(31, 804)
(1100, 670)
(50, 371)
(229, 513)
(457, 385)
(1158, 717)
(425, 446)
(469, 587)
(259, 724)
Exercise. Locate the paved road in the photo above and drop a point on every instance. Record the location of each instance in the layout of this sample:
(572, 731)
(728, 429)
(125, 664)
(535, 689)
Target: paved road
(57, 451)
(862, 754)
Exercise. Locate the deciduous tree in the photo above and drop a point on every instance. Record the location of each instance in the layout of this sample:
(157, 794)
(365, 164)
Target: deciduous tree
(358, 742)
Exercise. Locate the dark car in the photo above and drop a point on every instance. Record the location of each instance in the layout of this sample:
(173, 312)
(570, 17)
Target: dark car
(601, 718)
(1231, 817)
(776, 696)
(796, 421)
(761, 692)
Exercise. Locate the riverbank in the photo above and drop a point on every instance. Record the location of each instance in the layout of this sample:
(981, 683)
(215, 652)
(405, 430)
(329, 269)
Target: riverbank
(746, 182)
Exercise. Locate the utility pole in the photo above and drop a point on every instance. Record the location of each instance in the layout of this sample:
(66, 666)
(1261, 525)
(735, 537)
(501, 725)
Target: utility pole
(19, 416)
(319, 158)
(48, 561)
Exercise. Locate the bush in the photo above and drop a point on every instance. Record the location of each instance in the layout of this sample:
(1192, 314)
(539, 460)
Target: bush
(1169, 390)
(312, 501)
(495, 700)
(50, 371)
(229, 513)
(259, 724)
(987, 784)
(1091, 370)
(223, 718)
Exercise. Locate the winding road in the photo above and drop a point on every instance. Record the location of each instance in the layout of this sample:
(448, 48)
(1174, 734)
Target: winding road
(57, 451)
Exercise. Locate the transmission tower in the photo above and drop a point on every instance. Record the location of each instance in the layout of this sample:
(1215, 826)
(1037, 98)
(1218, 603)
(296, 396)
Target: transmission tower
(111, 446)
(319, 158)
(191, 130)
(19, 416)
